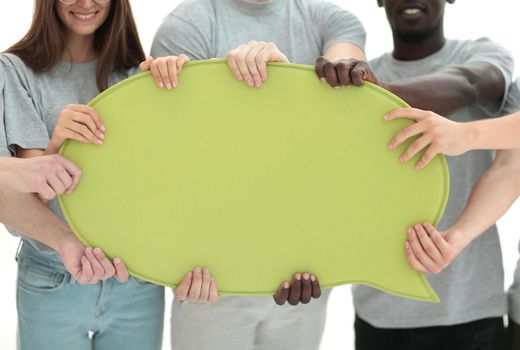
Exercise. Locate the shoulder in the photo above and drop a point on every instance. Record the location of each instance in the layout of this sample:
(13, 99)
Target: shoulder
(193, 10)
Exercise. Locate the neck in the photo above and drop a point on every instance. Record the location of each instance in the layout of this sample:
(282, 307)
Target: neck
(79, 48)
(410, 50)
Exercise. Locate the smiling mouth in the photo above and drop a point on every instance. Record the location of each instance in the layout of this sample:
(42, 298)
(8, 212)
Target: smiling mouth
(85, 17)
(412, 11)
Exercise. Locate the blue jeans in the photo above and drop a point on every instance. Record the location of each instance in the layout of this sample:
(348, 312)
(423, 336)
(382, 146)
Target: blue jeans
(55, 312)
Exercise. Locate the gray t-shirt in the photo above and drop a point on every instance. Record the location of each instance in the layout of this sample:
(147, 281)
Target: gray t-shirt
(513, 106)
(33, 103)
(302, 29)
(3, 139)
(472, 287)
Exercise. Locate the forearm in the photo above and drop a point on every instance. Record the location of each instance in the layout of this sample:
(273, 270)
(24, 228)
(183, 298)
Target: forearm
(451, 89)
(492, 196)
(27, 214)
(499, 133)
(344, 50)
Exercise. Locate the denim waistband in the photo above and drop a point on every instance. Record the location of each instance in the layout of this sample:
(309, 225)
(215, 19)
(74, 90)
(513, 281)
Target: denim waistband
(29, 252)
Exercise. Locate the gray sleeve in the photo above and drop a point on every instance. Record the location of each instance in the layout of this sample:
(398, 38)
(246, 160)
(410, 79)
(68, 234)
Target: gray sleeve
(187, 30)
(24, 125)
(4, 152)
(512, 104)
(337, 25)
(485, 50)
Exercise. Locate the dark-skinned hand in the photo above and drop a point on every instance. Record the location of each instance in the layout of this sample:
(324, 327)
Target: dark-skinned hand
(344, 72)
(302, 289)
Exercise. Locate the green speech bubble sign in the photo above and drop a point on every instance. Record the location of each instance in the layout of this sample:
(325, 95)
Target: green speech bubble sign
(254, 183)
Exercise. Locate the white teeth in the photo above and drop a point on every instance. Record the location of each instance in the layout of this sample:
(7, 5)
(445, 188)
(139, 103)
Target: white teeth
(412, 11)
(87, 16)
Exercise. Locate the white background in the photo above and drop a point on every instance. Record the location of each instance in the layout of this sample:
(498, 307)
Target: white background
(497, 19)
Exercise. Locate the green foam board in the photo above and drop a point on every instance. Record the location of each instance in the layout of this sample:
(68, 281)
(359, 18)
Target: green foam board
(255, 183)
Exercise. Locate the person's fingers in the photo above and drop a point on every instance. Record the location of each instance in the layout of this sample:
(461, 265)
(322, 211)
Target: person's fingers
(343, 72)
(282, 294)
(74, 172)
(306, 294)
(145, 65)
(330, 74)
(412, 260)
(85, 274)
(46, 192)
(213, 291)
(319, 68)
(182, 290)
(415, 148)
(162, 65)
(232, 62)
(428, 245)
(316, 289)
(98, 271)
(360, 72)
(65, 178)
(156, 74)
(206, 284)
(196, 285)
(105, 264)
(296, 288)
(55, 183)
(418, 250)
(242, 65)
(82, 130)
(88, 121)
(427, 157)
(406, 113)
(255, 63)
(92, 113)
(437, 239)
(121, 271)
(171, 64)
(181, 61)
(405, 134)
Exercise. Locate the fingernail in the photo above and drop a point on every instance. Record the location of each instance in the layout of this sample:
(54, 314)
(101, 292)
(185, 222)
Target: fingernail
(99, 142)
(391, 146)
(409, 231)
(102, 136)
(103, 127)
(337, 87)
(161, 85)
(97, 251)
(298, 277)
(313, 278)
(197, 269)
(168, 86)
(417, 227)
(206, 271)
(117, 261)
(174, 84)
(323, 80)
(306, 276)
(401, 159)
(407, 245)
(286, 285)
(386, 117)
(190, 275)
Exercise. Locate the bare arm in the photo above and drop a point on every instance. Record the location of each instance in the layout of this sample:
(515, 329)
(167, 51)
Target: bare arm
(499, 133)
(430, 251)
(344, 50)
(448, 90)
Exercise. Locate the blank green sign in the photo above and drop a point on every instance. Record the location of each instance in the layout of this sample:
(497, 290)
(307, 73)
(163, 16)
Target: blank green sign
(254, 183)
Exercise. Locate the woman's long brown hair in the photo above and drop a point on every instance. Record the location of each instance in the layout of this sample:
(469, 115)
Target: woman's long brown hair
(116, 41)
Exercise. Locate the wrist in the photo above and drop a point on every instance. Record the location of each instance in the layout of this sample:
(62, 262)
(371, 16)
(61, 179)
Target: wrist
(473, 136)
(64, 242)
